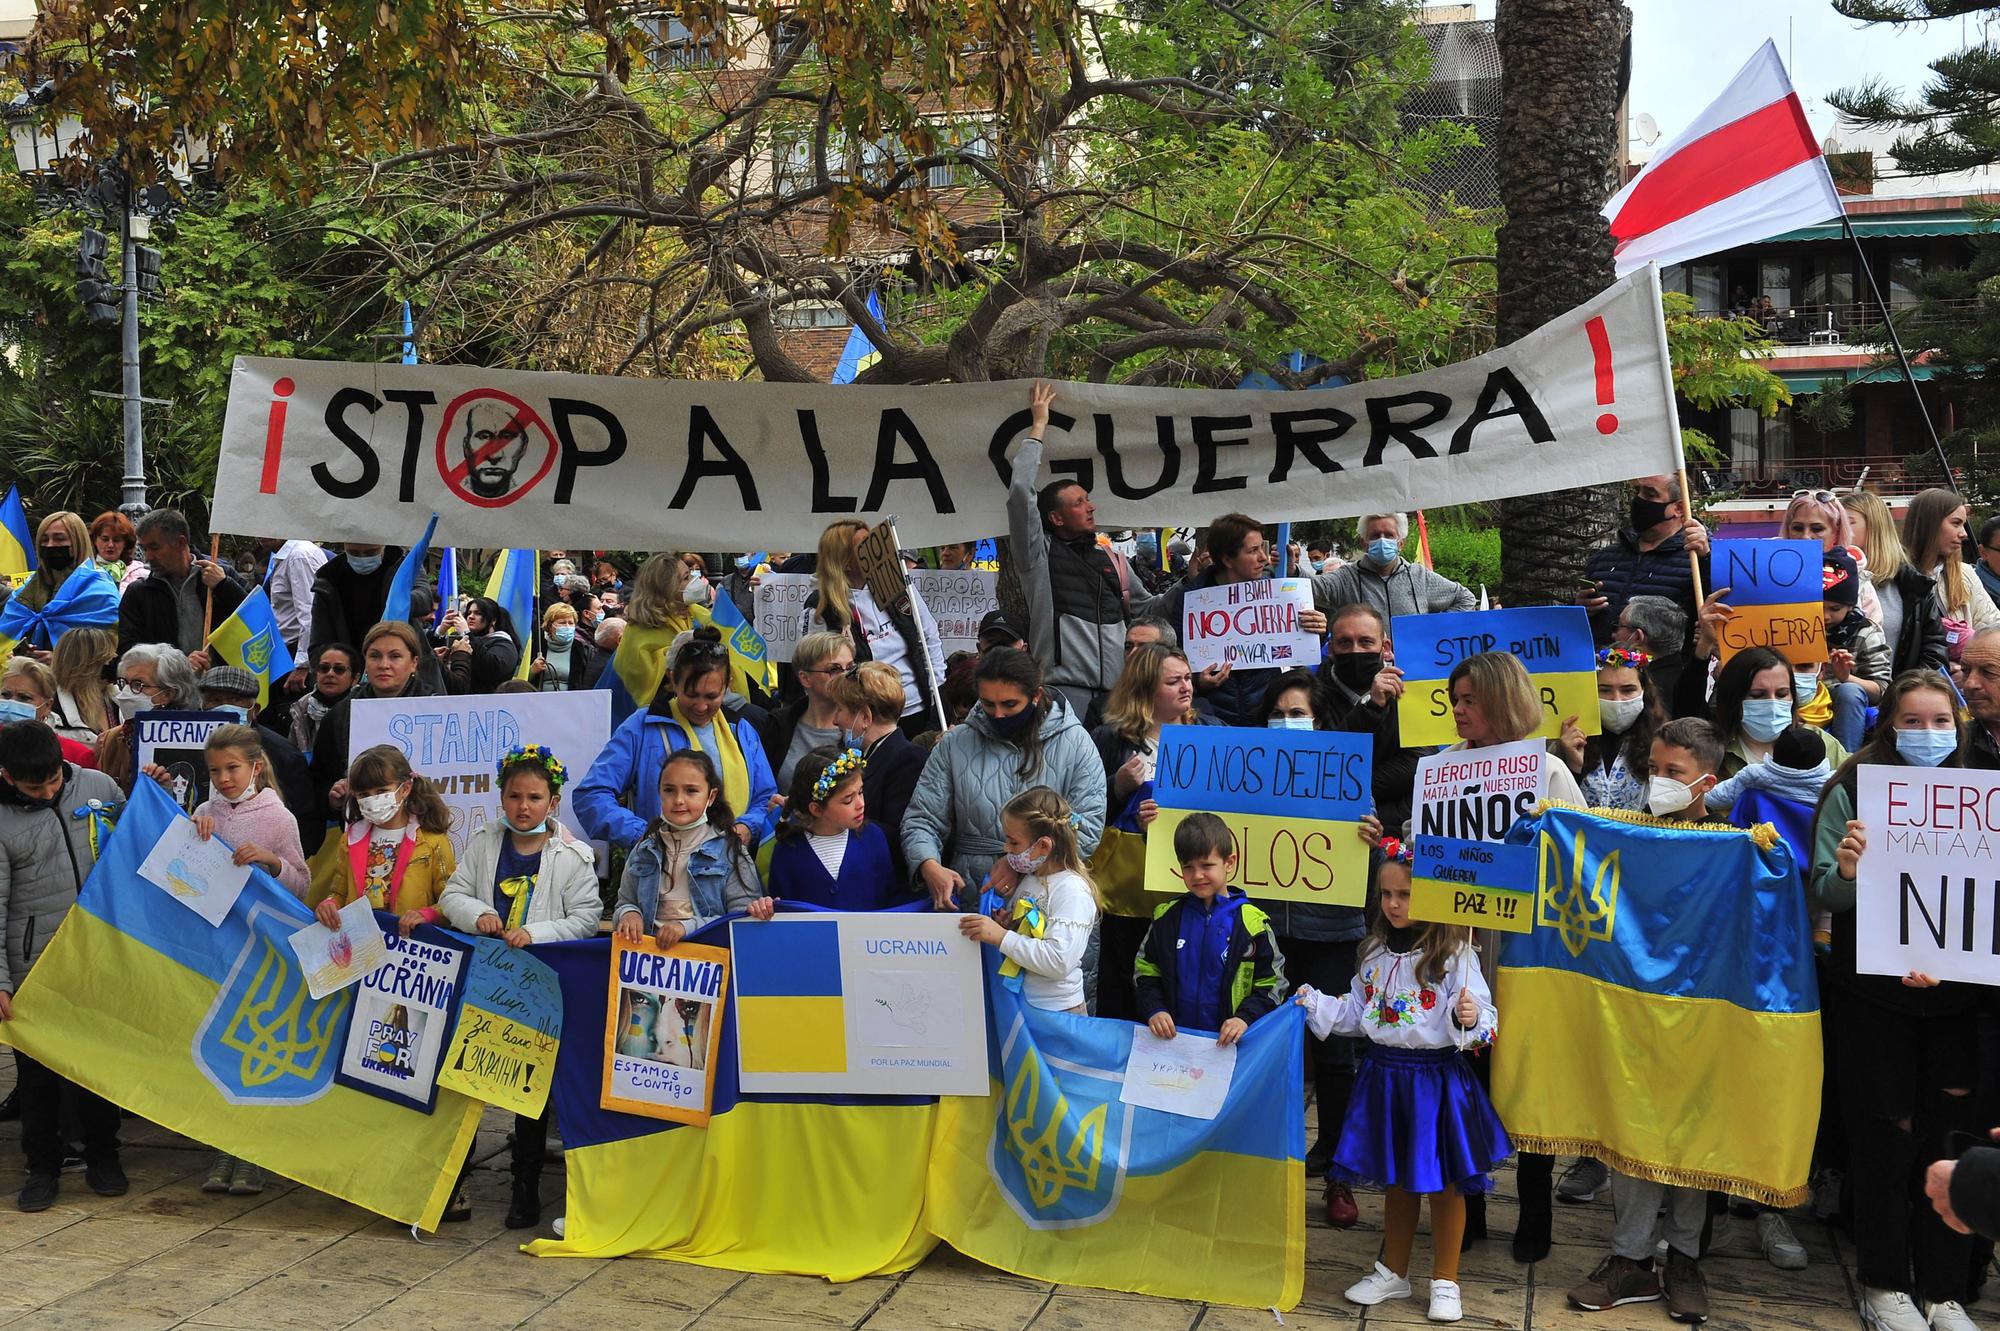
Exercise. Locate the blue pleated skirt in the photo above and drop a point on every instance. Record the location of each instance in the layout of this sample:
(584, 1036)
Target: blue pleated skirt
(1418, 1119)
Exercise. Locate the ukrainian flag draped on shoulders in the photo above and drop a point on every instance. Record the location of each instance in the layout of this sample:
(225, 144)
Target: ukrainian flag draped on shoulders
(87, 598)
(211, 1032)
(1669, 961)
(639, 666)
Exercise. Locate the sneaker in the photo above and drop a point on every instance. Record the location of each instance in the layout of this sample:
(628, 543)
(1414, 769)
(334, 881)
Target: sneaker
(218, 1174)
(458, 1209)
(1891, 1310)
(72, 1161)
(1687, 1292)
(1949, 1316)
(557, 1225)
(107, 1178)
(1378, 1287)
(1341, 1212)
(38, 1192)
(1445, 1305)
(246, 1180)
(1616, 1282)
(1584, 1181)
(1781, 1245)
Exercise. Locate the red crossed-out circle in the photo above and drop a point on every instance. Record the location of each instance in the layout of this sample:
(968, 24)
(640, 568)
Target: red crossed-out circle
(454, 468)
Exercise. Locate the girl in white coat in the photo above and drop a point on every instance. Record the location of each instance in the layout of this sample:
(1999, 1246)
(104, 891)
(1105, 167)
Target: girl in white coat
(524, 880)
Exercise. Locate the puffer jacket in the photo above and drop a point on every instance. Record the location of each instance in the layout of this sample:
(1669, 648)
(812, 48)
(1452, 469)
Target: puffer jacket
(720, 881)
(564, 904)
(954, 816)
(620, 794)
(44, 857)
(1077, 606)
(1627, 571)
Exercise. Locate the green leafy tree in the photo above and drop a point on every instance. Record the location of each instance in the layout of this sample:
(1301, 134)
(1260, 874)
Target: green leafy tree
(1950, 125)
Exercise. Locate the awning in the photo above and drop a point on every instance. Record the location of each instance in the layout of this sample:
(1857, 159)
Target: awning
(1808, 381)
(1889, 227)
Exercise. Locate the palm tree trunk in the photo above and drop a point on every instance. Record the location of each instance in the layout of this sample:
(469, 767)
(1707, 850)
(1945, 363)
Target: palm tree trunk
(1560, 86)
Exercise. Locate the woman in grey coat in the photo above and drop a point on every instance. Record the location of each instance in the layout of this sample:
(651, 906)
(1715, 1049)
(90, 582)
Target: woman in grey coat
(1020, 735)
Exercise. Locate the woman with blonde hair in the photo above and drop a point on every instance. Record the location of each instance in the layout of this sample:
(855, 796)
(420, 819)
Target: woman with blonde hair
(568, 660)
(656, 613)
(1912, 623)
(83, 709)
(842, 603)
(1934, 538)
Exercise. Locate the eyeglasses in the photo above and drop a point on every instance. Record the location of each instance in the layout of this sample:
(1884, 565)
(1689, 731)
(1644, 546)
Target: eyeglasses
(332, 668)
(139, 685)
(828, 670)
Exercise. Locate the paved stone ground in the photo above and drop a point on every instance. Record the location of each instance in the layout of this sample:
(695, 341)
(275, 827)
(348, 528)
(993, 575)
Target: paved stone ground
(169, 1255)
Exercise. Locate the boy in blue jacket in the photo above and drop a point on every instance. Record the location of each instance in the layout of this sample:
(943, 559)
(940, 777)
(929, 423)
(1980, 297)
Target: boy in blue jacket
(1210, 960)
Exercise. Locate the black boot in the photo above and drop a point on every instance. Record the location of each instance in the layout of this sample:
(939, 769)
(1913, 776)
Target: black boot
(524, 1211)
(529, 1152)
(1534, 1174)
(1475, 1220)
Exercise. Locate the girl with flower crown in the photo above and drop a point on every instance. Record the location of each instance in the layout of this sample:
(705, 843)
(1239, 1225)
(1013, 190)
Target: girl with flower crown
(828, 854)
(1611, 768)
(1418, 1122)
(524, 879)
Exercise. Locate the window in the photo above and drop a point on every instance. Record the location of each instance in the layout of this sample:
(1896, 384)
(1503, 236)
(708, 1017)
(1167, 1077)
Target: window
(968, 139)
(810, 314)
(1774, 279)
(1904, 270)
(678, 49)
(791, 162)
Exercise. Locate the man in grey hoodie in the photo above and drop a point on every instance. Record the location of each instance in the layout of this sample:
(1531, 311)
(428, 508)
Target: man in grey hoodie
(1384, 580)
(45, 854)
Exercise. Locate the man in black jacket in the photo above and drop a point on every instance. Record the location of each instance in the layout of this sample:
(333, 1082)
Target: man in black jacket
(349, 592)
(171, 602)
(1358, 691)
(1649, 557)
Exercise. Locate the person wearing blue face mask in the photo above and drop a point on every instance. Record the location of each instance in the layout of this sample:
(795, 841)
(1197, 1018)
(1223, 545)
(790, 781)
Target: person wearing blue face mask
(348, 593)
(233, 690)
(1909, 1049)
(1385, 581)
(28, 693)
(1754, 702)
(568, 659)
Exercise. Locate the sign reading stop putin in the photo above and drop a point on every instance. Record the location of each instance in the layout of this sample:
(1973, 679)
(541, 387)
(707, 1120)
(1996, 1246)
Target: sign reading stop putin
(1293, 800)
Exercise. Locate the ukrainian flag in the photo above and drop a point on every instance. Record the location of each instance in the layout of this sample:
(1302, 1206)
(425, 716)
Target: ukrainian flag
(396, 605)
(1668, 961)
(512, 583)
(789, 980)
(17, 539)
(1053, 1176)
(87, 597)
(210, 1032)
(750, 662)
(639, 667)
(821, 1185)
(250, 639)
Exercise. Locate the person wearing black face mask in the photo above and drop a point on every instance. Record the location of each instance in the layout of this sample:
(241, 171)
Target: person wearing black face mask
(1357, 690)
(1650, 557)
(60, 540)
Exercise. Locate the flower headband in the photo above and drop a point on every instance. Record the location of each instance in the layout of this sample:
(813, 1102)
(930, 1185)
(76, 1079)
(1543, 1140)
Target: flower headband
(837, 771)
(1628, 658)
(540, 756)
(1392, 849)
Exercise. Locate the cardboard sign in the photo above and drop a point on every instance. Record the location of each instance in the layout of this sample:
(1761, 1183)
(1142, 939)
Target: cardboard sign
(662, 1028)
(1768, 572)
(1249, 625)
(503, 1050)
(1481, 884)
(958, 600)
(1476, 794)
(403, 1016)
(1293, 800)
(1795, 632)
(1553, 642)
(779, 600)
(882, 569)
(177, 741)
(1927, 890)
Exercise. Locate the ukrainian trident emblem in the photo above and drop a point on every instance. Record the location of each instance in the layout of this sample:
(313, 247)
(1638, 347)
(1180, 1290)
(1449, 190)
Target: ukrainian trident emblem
(266, 1040)
(257, 653)
(1059, 1138)
(1562, 904)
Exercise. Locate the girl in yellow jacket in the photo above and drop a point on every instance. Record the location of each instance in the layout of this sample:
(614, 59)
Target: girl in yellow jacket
(394, 848)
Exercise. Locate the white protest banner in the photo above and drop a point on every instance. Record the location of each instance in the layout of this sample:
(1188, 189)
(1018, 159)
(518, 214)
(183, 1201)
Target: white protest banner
(338, 451)
(457, 742)
(403, 1017)
(1927, 891)
(779, 600)
(1250, 625)
(959, 598)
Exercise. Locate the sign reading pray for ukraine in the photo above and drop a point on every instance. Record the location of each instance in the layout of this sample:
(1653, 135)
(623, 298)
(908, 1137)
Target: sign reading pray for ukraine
(884, 1003)
(1553, 642)
(403, 1013)
(1292, 799)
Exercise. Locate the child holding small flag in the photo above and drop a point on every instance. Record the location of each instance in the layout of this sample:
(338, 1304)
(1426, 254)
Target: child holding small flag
(1210, 959)
(1418, 1121)
(1042, 925)
(524, 879)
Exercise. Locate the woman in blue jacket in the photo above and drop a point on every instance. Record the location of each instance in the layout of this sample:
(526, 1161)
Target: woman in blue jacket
(620, 794)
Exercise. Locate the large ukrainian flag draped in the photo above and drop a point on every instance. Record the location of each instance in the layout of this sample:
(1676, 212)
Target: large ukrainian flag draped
(210, 1032)
(782, 1184)
(87, 598)
(1669, 962)
(1052, 1176)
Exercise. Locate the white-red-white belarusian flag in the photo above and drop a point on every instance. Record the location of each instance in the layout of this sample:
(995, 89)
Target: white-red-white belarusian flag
(1747, 169)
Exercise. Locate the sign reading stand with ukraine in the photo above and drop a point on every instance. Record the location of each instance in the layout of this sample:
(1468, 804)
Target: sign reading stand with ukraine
(861, 1004)
(1553, 642)
(1293, 800)
(1681, 955)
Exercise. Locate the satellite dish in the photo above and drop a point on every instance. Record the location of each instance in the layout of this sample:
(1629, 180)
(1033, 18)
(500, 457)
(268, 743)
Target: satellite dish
(1649, 129)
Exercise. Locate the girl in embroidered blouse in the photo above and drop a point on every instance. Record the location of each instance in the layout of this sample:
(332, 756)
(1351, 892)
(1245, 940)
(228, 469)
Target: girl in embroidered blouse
(1417, 1122)
(828, 854)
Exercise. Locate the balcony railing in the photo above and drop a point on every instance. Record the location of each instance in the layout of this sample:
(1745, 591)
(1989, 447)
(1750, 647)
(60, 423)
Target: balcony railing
(1781, 478)
(1837, 325)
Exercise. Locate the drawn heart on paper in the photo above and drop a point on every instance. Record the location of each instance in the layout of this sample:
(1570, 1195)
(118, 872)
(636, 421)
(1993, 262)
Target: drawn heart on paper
(1194, 1074)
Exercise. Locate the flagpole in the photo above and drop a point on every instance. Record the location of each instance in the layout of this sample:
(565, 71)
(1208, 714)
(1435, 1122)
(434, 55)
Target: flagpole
(1896, 341)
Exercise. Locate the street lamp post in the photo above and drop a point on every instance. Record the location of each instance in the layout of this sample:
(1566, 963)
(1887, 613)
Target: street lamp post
(132, 489)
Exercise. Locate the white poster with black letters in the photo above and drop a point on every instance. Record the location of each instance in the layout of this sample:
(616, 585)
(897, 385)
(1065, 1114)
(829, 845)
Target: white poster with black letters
(1927, 890)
